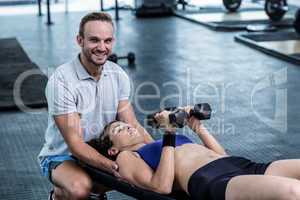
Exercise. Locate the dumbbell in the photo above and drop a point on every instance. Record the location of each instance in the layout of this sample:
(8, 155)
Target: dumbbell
(276, 9)
(130, 57)
(232, 5)
(178, 116)
(297, 21)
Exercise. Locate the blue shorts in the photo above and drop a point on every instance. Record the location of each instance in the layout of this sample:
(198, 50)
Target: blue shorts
(51, 162)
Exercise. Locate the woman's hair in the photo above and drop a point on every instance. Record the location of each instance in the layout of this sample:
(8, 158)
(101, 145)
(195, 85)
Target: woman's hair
(103, 143)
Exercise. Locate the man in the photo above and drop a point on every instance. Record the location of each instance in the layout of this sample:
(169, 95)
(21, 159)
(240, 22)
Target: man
(83, 96)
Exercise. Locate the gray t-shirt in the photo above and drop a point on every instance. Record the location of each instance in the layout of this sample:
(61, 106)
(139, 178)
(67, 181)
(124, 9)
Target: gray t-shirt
(71, 89)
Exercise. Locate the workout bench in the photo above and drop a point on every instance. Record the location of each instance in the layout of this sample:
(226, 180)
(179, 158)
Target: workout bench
(110, 181)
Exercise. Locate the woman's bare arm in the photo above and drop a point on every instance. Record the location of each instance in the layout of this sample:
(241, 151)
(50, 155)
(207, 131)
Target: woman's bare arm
(208, 140)
(134, 170)
(126, 114)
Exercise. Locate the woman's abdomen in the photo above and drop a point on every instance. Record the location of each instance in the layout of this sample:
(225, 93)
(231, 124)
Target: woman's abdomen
(189, 158)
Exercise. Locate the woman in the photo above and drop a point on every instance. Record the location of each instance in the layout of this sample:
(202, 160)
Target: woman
(202, 171)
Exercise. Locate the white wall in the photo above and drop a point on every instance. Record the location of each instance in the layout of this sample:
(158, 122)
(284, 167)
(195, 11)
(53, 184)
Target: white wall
(294, 2)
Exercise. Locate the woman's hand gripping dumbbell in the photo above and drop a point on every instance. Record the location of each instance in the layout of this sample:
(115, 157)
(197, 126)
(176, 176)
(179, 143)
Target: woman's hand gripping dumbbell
(177, 117)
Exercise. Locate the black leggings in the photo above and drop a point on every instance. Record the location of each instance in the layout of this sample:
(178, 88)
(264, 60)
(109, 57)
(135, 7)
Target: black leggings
(210, 181)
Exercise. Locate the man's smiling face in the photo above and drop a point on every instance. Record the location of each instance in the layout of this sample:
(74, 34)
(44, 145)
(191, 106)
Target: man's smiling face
(97, 42)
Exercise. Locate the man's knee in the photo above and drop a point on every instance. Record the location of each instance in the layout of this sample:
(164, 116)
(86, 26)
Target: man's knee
(80, 188)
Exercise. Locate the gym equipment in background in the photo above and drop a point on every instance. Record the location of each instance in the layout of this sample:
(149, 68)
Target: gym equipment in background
(116, 8)
(297, 21)
(252, 16)
(276, 9)
(261, 16)
(154, 8)
(284, 45)
(48, 9)
(209, 7)
(235, 21)
(232, 5)
(130, 57)
(178, 116)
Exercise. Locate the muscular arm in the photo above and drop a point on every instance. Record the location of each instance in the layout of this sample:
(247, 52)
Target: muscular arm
(137, 172)
(126, 114)
(69, 127)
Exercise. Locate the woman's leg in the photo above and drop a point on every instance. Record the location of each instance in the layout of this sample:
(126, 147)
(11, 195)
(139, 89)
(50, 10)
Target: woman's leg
(71, 181)
(285, 168)
(262, 187)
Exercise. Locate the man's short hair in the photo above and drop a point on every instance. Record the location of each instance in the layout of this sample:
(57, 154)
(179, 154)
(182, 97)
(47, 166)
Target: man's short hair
(94, 16)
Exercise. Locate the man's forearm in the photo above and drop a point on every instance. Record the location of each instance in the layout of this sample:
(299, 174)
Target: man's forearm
(89, 155)
(70, 129)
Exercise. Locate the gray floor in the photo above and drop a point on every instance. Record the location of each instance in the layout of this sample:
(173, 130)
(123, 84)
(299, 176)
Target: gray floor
(255, 97)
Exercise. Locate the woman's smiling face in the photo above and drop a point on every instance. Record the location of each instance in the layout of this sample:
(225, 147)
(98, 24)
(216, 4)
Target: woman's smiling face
(123, 135)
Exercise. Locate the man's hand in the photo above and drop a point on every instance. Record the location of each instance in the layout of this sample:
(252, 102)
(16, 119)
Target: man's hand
(111, 167)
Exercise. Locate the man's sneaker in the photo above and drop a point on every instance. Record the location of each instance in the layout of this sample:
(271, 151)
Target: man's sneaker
(95, 196)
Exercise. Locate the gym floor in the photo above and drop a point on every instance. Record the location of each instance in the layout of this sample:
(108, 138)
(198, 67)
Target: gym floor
(255, 97)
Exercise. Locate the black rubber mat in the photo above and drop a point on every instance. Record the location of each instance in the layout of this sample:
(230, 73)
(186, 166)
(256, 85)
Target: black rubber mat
(296, 55)
(22, 83)
(21, 140)
(278, 36)
(214, 9)
(260, 42)
(235, 25)
(239, 25)
(12, 52)
(252, 13)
